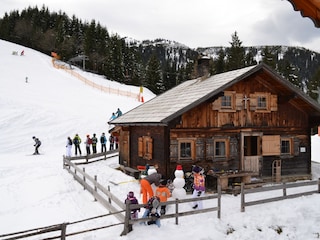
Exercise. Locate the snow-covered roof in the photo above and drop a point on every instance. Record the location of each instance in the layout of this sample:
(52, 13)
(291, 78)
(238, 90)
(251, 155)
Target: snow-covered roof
(165, 107)
(189, 94)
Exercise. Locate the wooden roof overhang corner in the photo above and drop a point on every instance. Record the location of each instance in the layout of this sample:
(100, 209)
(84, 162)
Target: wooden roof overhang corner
(308, 8)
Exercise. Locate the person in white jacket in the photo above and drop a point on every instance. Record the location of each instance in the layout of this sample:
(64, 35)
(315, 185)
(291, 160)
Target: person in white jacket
(68, 147)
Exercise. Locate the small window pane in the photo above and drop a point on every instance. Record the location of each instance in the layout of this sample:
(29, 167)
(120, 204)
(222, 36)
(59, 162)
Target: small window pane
(185, 149)
(262, 102)
(220, 149)
(285, 146)
(226, 101)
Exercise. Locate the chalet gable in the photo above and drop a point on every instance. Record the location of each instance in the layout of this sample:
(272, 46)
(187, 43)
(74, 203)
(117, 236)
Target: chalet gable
(162, 109)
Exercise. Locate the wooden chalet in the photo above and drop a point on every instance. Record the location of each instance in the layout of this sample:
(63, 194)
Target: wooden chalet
(242, 120)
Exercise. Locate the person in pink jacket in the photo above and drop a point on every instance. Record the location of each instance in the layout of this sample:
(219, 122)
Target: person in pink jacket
(198, 186)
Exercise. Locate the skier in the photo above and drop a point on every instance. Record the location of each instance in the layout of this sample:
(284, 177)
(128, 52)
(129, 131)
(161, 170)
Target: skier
(36, 145)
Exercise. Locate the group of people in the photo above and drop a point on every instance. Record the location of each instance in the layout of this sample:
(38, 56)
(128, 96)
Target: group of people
(155, 199)
(91, 144)
(118, 113)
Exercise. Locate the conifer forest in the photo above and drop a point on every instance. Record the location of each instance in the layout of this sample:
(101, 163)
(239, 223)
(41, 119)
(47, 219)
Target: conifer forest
(156, 64)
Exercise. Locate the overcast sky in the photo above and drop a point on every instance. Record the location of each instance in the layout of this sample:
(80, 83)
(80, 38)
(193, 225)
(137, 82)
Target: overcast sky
(202, 23)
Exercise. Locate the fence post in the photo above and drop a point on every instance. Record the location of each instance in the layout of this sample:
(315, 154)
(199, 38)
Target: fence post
(242, 198)
(84, 179)
(95, 185)
(219, 201)
(284, 190)
(127, 226)
(177, 211)
(63, 231)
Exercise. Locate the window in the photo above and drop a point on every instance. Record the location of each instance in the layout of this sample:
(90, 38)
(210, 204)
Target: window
(145, 145)
(220, 148)
(226, 101)
(275, 145)
(262, 102)
(186, 149)
(286, 146)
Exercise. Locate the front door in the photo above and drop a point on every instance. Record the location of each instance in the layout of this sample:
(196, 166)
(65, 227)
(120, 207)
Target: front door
(250, 151)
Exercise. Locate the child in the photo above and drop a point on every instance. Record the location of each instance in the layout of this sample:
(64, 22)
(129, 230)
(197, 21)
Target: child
(152, 211)
(133, 200)
(163, 193)
(198, 185)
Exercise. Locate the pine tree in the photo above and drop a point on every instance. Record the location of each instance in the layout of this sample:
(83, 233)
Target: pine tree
(314, 86)
(153, 75)
(219, 63)
(235, 54)
(269, 57)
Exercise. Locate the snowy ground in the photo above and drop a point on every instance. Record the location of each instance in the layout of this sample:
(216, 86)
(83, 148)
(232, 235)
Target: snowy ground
(36, 191)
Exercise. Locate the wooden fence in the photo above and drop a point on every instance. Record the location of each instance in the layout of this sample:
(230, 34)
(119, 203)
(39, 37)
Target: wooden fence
(177, 212)
(99, 192)
(58, 231)
(85, 159)
(283, 186)
(122, 211)
(109, 90)
(113, 204)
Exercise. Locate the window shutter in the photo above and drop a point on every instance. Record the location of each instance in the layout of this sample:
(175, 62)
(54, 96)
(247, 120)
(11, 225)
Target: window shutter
(233, 147)
(296, 147)
(216, 105)
(209, 149)
(200, 149)
(173, 150)
(149, 147)
(274, 103)
(140, 147)
(271, 145)
(253, 102)
(239, 100)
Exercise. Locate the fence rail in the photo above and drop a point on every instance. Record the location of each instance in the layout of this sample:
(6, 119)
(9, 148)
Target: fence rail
(109, 90)
(283, 186)
(122, 211)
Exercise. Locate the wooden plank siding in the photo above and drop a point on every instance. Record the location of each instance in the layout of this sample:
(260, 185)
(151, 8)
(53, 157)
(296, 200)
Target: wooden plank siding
(225, 129)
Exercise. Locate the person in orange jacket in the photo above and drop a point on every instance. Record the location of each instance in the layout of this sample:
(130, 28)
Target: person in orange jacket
(145, 184)
(163, 192)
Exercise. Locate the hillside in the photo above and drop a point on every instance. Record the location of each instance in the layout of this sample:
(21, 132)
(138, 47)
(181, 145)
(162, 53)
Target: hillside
(48, 88)
(158, 64)
(37, 192)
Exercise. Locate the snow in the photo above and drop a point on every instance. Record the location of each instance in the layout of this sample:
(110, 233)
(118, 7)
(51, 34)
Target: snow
(37, 191)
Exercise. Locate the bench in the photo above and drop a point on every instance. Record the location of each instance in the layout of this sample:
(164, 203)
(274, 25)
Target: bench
(132, 172)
